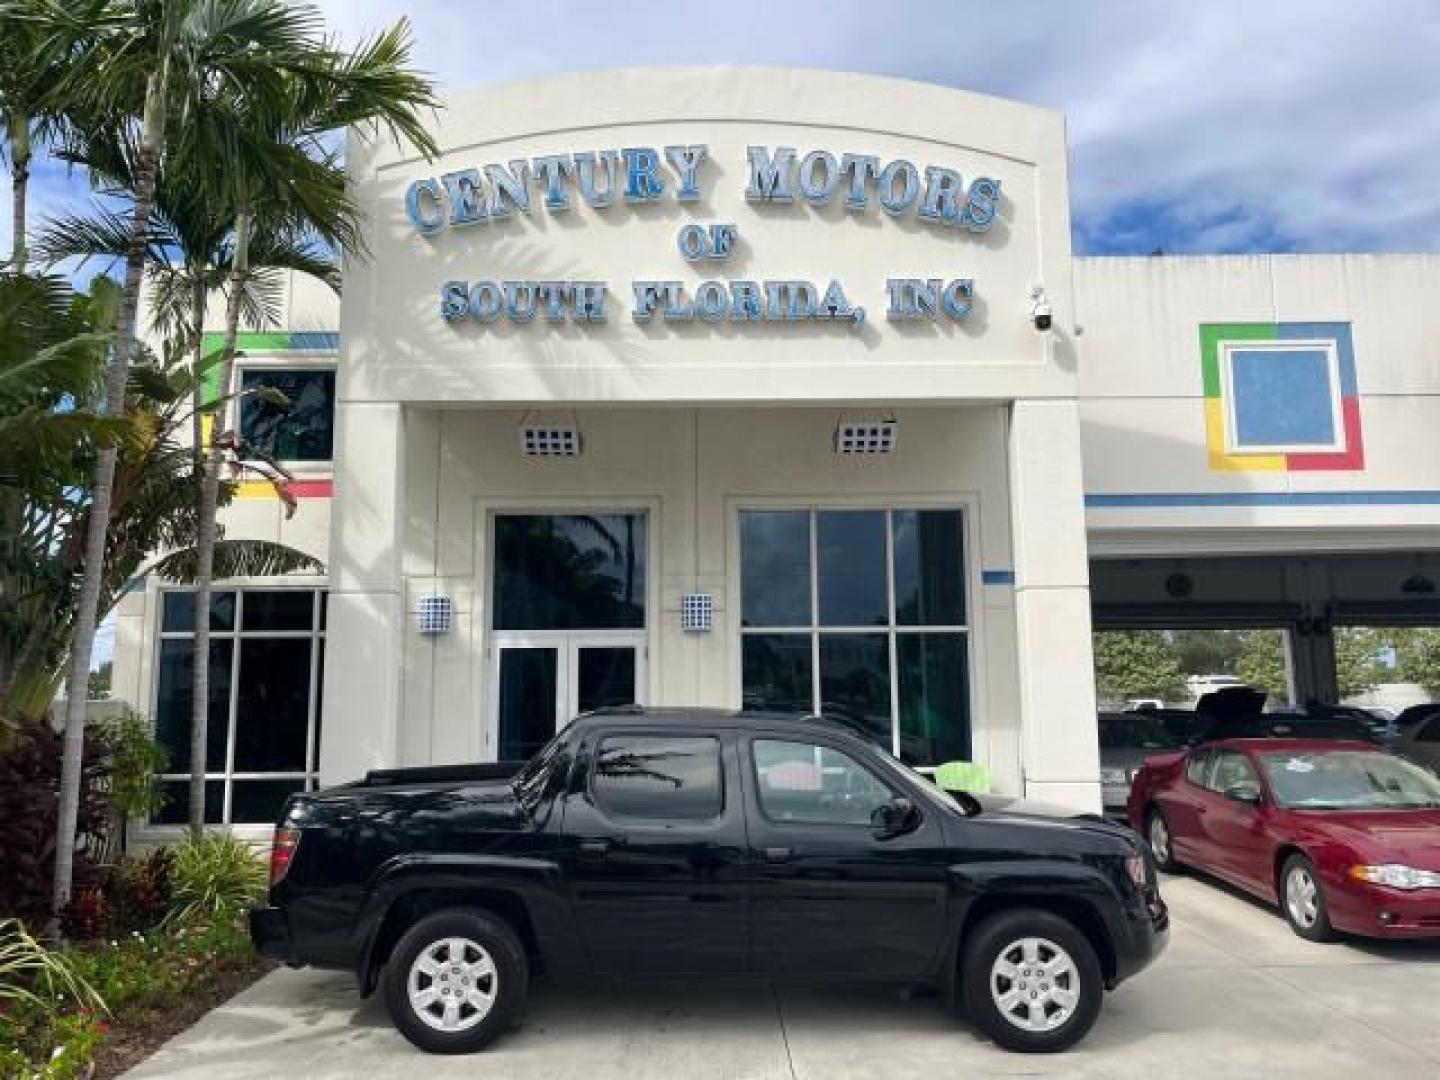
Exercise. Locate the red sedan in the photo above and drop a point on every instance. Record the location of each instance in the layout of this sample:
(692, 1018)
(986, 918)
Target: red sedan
(1344, 837)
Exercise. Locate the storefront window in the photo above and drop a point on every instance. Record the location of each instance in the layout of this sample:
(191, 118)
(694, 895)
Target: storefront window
(266, 657)
(860, 614)
(569, 571)
(303, 429)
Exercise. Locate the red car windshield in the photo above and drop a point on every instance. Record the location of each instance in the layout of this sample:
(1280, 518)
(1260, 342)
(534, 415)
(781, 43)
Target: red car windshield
(1348, 780)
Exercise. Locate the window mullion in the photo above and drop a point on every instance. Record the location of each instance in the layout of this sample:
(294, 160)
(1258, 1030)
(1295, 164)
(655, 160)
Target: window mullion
(890, 631)
(815, 689)
(233, 710)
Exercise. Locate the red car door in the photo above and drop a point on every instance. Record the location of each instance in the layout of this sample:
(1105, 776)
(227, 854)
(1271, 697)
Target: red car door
(1235, 822)
(1183, 803)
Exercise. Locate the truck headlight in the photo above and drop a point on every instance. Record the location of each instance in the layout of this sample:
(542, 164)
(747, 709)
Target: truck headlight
(1135, 867)
(1396, 876)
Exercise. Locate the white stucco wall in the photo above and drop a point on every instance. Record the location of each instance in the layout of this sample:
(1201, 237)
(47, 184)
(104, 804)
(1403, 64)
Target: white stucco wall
(692, 470)
(427, 443)
(1142, 397)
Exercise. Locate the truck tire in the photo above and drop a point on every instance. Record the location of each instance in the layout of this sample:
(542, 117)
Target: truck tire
(1031, 980)
(455, 980)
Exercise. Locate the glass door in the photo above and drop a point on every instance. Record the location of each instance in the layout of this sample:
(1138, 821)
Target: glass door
(568, 633)
(604, 673)
(528, 700)
(541, 683)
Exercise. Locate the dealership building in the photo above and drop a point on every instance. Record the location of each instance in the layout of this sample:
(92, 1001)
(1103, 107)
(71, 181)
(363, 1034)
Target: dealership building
(782, 389)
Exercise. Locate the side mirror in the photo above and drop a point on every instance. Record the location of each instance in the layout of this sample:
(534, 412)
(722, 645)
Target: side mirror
(894, 818)
(1246, 793)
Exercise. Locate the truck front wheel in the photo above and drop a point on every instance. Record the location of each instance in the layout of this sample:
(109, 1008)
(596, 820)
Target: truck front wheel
(1031, 980)
(455, 980)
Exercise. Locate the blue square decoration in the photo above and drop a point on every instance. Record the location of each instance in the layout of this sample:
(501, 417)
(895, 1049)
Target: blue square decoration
(1282, 397)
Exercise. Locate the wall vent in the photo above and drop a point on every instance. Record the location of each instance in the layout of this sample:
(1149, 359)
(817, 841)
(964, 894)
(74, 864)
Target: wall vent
(550, 441)
(866, 436)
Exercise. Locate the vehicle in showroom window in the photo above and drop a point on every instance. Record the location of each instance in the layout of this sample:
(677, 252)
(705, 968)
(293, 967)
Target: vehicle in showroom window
(700, 843)
(1342, 836)
(1126, 740)
(1420, 742)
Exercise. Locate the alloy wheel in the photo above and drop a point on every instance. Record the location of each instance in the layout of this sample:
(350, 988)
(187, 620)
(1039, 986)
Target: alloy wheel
(1159, 840)
(452, 984)
(1302, 897)
(1035, 984)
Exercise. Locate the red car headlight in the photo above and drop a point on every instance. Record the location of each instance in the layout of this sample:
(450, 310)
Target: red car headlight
(1396, 876)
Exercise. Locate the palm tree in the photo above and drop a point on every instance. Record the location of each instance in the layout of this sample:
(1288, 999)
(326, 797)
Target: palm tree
(154, 71)
(52, 352)
(36, 54)
(52, 355)
(278, 158)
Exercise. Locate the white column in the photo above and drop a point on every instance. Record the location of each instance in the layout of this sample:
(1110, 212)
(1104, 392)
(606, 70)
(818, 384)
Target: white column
(1059, 738)
(366, 620)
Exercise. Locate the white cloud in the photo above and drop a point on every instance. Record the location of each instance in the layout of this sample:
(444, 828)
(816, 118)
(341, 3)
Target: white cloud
(1224, 125)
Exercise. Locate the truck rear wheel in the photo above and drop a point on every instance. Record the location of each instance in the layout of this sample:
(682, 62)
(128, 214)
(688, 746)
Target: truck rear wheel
(1031, 980)
(455, 980)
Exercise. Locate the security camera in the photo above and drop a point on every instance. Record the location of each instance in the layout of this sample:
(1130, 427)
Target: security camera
(1039, 308)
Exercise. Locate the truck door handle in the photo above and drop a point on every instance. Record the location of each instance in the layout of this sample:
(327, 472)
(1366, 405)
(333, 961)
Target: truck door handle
(778, 854)
(595, 847)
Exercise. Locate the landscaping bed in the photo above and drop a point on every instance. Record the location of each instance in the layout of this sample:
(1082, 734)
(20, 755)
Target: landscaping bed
(161, 943)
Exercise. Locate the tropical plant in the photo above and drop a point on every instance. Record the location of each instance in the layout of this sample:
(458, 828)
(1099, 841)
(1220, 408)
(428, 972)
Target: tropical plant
(138, 891)
(27, 966)
(282, 178)
(51, 352)
(214, 875)
(153, 69)
(29, 786)
(36, 55)
(134, 758)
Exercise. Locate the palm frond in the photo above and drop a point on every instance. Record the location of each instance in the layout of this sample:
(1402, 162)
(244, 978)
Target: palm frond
(239, 558)
(26, 963)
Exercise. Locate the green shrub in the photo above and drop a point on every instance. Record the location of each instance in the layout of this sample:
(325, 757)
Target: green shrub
(31, 973)
(140, 976)
(134, 759)
(214, 875)
(41, 1046)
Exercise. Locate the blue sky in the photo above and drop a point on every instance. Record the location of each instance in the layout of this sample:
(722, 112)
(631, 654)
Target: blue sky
(1210, 126)
(1218, 126)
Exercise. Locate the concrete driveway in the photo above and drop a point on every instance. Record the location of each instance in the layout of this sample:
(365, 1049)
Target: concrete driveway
(1236, 995)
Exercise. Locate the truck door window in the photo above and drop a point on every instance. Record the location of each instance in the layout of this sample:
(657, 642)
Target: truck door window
(808, 783)
(660, 777)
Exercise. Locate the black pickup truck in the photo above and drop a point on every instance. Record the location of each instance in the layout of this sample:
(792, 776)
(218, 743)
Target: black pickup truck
(664, 842)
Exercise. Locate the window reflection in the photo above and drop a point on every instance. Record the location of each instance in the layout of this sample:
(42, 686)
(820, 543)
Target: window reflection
(907, 681)
(652, 777)
(851, 549)
(775, 568)
(303, 429)
(569, 572)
